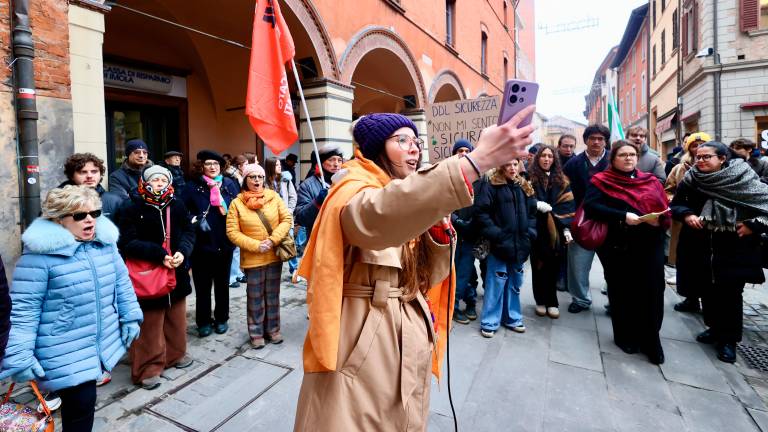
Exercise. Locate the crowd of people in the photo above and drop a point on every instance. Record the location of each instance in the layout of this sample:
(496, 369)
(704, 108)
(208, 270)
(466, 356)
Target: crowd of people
(116, 266)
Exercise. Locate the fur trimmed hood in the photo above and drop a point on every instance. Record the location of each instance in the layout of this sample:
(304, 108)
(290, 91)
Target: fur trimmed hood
(47, 237)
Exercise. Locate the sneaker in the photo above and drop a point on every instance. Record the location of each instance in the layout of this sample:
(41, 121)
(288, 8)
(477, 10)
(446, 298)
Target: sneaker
(471, 312)
(706, 337)
(553, 312)
(672, 280)
(151, 383)
(234, 284)
(726, 352)
(576, 308)
(295, 278)
(184, 363)
(204, 331)
(242, 279)
(105, 378)
(541, 310)
(460, 318)
(257, 343)
(604, 290)
(487, 333)
(52, 401)
(276, 338)
(518, 328)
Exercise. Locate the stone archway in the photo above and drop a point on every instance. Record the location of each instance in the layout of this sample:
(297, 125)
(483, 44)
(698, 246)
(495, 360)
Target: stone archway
(379, 38)
(446, 87)
(310, 19)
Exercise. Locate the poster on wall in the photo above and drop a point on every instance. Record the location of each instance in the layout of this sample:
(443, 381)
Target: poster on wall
(451, 121)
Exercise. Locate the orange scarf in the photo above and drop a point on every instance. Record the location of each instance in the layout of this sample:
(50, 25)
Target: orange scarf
(252, 200)
(323, 267)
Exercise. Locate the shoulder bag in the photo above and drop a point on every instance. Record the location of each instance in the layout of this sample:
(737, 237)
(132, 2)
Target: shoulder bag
(589, 234)
(287, 247)
(16, 417)
(152, 280)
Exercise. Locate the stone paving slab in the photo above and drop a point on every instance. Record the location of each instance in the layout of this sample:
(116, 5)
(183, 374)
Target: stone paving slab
(760, 418)
(630, 417)
(709, 411)
(575, 347)
(577, 400)
(686, 363)
(636, 382)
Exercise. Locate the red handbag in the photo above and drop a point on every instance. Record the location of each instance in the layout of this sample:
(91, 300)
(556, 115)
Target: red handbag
(589, 234)
(151, 280)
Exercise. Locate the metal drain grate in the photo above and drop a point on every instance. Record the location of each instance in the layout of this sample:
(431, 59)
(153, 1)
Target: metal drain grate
(756, 356)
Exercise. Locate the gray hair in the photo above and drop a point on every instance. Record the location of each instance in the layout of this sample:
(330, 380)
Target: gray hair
(64, 201)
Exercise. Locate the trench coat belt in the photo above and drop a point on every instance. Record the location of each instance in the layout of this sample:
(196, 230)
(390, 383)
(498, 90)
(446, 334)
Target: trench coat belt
(379, 293)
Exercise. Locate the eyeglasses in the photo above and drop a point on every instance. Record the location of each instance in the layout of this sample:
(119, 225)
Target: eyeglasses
(255, 177)
(211, 163)
(79, 216)
(626, 155)
(705, 157)
(405, 142)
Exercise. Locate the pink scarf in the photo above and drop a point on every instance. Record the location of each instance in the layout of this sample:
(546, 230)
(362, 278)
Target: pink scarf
(217, 200)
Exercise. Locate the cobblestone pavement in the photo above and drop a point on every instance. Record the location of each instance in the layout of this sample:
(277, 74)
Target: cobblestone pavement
(562, 375)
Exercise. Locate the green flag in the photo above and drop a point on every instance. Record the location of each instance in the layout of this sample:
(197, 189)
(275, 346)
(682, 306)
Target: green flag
(614, 121)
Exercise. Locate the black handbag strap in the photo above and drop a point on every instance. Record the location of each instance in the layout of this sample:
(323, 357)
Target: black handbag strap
(264, 221)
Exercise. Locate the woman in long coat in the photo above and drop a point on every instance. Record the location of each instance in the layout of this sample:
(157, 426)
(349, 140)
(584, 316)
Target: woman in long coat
(376, 265)
(143, 227)
(555, 210)
(724, 208)
(633, 249)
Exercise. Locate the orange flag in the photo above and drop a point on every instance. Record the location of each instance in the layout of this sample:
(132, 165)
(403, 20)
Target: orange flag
(268, 102)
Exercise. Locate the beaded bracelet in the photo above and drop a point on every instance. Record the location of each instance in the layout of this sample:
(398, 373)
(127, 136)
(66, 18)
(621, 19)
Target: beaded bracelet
(474, 165)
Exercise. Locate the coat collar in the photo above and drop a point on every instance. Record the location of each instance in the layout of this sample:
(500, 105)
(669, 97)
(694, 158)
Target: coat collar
(47, 237)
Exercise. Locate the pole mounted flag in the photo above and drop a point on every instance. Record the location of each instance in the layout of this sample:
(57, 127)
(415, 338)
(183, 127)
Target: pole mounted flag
(614, 121)
(268, 102)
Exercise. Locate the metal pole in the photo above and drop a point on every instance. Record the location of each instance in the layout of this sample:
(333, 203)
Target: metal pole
(26, 113)
(717, 75)
(309, 122)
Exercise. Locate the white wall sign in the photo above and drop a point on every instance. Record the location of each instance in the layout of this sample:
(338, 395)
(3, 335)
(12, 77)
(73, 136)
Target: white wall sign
(136, 79)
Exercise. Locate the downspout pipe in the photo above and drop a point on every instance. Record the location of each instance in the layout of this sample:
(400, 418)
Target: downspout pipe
(718, 75)
(23, 49)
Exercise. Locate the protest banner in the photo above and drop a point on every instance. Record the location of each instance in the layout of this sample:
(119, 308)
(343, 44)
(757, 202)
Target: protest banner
(451, 121)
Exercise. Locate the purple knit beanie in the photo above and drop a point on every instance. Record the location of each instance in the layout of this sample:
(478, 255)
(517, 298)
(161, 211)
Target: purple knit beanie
(372, 130)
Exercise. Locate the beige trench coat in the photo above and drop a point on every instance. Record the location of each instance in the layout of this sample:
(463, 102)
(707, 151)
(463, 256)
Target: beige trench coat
(383, 377)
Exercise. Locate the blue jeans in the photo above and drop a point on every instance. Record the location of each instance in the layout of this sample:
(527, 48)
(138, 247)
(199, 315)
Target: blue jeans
(579, 266)
(466, 275)
(234, 270)
(502, 295)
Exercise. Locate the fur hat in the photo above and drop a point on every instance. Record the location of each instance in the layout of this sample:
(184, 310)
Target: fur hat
(204, 155)
(372, 130)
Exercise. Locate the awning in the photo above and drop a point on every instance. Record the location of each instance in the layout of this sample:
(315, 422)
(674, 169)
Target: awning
(754, 105)
(664, 124)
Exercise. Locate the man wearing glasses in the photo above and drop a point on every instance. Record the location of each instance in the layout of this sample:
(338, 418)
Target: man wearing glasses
(126, 179)
(648, 161)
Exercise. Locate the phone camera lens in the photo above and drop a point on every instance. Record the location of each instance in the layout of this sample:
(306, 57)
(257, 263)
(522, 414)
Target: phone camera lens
(523, 88)
(522, 100)
(515, 88)
(513, 99)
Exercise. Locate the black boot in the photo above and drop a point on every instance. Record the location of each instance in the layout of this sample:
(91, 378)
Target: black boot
(688, 305)
(706, 337)
(726, 352)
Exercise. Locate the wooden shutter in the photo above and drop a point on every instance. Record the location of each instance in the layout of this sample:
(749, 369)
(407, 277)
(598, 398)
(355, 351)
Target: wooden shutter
(695, 23)
(685, 35)
(749, 15)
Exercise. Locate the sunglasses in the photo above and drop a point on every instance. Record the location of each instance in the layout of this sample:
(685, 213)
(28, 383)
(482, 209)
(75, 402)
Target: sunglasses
(79, 216)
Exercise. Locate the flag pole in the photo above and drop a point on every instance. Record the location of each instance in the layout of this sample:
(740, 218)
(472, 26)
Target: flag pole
(309, 122)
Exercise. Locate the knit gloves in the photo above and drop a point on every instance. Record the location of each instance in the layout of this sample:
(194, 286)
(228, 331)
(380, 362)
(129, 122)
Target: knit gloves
(129, 332)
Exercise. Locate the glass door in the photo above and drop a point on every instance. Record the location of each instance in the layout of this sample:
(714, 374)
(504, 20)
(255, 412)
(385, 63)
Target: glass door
(156, 126)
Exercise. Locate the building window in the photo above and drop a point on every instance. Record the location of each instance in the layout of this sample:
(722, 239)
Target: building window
(644, 49)
(644, 84)
(663, 5)
(634, 101)
(675, 31)
(483, 53)
(505, 15)
(653, 14)
(690, 29)
(653, 54)
(764, 14)
(621, 110)
(450, 21)
(506, 69)
(604, 118)
(663, 47)
(634, 63)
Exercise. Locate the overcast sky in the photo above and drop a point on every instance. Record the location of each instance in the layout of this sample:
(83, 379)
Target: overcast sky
(566, 61)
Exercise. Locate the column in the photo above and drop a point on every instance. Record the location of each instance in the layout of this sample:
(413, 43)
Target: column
(330, 108)
(419, 117)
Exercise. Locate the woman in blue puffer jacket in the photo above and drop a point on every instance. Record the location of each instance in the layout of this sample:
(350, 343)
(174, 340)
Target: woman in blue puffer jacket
(74, 312)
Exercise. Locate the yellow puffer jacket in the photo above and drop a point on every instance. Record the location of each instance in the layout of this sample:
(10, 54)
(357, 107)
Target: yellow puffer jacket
(245, 230)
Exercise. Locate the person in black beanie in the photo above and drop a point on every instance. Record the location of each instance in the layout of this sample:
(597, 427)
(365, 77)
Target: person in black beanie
(125, 180)
(312, 191)
(466, 234)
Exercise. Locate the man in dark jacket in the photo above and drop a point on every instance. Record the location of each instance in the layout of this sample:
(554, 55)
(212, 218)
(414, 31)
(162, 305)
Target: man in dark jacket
(312, 192)
(87, 169)
(648, 160)
(125, 180)
(172, 162)
(289, 164)
(746, 149)
(580, 170)
(566, 145)
(464, 260)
